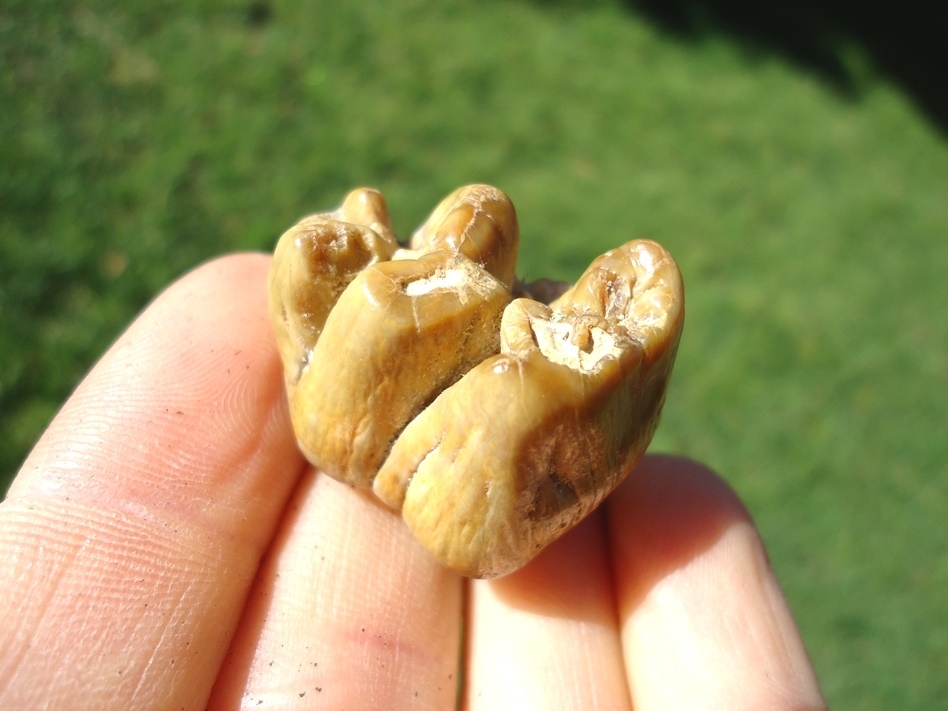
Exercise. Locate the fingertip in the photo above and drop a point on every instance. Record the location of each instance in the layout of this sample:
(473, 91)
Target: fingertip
(704, 622)
(666, 513)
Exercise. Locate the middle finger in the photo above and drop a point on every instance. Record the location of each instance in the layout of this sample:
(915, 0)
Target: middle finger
(547, 636)
(347, 611)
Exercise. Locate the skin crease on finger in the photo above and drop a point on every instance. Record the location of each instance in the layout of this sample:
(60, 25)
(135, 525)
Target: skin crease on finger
(133, 531)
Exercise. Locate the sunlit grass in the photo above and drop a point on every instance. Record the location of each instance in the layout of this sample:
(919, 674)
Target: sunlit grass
(138, 141)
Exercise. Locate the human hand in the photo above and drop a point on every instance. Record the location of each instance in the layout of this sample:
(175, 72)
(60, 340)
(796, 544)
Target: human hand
(165, 546)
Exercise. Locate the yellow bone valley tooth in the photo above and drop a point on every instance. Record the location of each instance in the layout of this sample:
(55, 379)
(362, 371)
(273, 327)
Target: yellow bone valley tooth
(399, 334)
(394, 378)
(529, 441)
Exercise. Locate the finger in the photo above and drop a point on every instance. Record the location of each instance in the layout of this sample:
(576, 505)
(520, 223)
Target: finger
(704, 623)
(133, 531)
(348, 611)
(547, 636)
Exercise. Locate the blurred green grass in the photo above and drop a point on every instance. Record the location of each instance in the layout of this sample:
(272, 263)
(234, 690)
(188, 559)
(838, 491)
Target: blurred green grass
(139, 140)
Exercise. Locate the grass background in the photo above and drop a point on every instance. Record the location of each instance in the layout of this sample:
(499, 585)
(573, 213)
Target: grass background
(794, 161)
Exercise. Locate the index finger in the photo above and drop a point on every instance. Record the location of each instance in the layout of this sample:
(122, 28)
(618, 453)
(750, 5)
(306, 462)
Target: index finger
(135, 527)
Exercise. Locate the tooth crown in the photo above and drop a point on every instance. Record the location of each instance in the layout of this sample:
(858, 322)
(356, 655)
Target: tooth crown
(494, 424)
